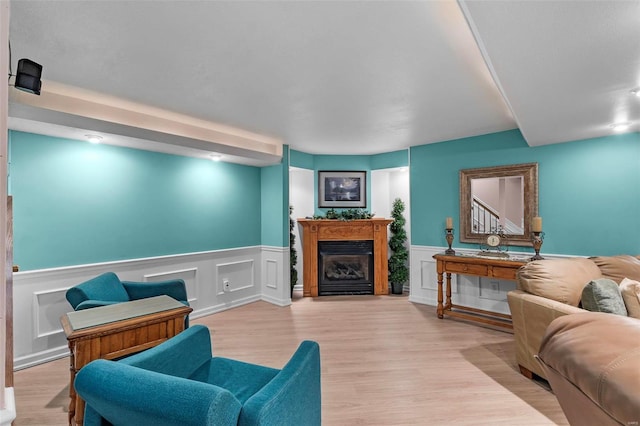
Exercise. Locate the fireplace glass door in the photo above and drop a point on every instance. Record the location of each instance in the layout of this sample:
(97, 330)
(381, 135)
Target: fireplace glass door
(345, 267)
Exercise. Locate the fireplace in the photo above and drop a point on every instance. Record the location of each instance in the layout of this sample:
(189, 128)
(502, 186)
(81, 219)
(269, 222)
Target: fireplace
(345, 267)
(315, 231)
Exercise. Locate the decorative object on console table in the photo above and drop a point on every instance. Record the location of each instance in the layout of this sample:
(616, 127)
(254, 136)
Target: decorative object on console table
(449, 236)
(398, 271)
(537, 237)
(495, 244)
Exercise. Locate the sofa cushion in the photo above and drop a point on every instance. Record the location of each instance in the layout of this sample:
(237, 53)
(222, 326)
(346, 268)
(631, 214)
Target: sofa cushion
(618, 267)
(561, 280)
(603, 295)
(630, 290)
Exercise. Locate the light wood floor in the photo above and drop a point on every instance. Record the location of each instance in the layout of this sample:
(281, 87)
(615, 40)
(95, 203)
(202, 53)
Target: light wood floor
(385, 361)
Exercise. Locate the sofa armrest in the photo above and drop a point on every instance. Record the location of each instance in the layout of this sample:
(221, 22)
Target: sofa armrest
(122, 394)
(531, 315)
(292, 397)
(142, 290)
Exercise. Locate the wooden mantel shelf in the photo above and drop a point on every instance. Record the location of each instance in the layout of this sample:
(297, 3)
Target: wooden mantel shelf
(339, 230)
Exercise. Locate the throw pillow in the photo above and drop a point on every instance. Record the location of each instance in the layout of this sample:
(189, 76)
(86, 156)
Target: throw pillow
(630, 290)
(603, 295)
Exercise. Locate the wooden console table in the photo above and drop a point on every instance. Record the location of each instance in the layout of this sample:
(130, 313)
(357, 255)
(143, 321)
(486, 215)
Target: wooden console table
(481, 266)
(114, 331)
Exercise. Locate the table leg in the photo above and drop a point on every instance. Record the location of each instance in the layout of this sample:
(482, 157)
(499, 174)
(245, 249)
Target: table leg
(448, 304)
(439, 309)
(72, 390)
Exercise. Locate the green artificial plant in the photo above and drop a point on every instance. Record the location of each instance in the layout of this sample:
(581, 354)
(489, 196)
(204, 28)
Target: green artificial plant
(398, 270)
(293, 255)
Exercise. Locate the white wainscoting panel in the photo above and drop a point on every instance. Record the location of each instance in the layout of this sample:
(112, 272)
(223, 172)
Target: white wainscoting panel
(271, 273)
(39, 296)
(235, 276)
(189, 276)
(48, 307)
(423, 277)
(275, 276)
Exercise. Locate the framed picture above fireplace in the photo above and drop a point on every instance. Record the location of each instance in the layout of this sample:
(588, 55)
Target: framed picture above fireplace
(347, 189)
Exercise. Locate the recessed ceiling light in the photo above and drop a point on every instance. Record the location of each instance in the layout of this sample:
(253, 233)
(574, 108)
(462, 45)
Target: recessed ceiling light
(216, 157)
(636, 92)
(619, 127)
(93, 138)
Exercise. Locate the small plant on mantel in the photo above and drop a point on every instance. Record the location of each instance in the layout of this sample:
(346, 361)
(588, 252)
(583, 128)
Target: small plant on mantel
(398, 270)
(347, 214)
(293, 255)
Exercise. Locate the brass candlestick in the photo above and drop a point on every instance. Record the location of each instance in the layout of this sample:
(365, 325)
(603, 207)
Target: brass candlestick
(449, 237)
(536, 240)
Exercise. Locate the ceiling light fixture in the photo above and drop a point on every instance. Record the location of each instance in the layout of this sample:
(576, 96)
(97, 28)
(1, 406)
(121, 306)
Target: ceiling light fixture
(93, 138)
(636, 92)
(619, 127)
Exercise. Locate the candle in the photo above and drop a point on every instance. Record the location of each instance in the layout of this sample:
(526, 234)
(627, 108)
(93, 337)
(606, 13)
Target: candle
(536, 224)
(449, 223)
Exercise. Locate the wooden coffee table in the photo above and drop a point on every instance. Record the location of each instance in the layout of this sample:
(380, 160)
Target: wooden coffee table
(114, 331)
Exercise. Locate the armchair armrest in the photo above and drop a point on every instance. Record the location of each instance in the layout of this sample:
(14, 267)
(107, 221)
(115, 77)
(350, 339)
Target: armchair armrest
(142, 290)
(292, 397)
(122, 394)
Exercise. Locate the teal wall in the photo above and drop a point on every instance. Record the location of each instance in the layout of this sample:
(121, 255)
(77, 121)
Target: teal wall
(275, 203)
(348, 163)
(301, 159)
(589, 191)
(390, 160)
(78, 203)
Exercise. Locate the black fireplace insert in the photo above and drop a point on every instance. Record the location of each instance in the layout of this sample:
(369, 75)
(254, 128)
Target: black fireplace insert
(345, 267)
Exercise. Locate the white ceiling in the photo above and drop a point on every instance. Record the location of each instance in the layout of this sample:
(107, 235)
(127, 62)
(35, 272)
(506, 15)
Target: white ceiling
(348, 77)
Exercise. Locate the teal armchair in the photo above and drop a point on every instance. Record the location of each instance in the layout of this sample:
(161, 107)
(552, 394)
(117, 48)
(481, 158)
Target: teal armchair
(107, 289)
(179, 383)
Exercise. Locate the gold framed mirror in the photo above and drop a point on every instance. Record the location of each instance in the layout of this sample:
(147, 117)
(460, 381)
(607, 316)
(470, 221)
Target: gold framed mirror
(498, 199)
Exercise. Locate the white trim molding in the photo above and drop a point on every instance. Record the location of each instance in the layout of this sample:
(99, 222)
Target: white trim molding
(8, 413)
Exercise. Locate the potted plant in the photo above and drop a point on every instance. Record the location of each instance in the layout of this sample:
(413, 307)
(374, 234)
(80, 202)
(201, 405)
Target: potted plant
(398, 270)
(293, 256)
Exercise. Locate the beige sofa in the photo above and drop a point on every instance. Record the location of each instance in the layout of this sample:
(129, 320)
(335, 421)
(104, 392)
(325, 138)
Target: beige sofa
(548, 289)
(592, 361)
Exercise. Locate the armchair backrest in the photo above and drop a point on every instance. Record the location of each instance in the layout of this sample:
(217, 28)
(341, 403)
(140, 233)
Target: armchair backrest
(105, 287)
(292, 397)
(179, 356)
